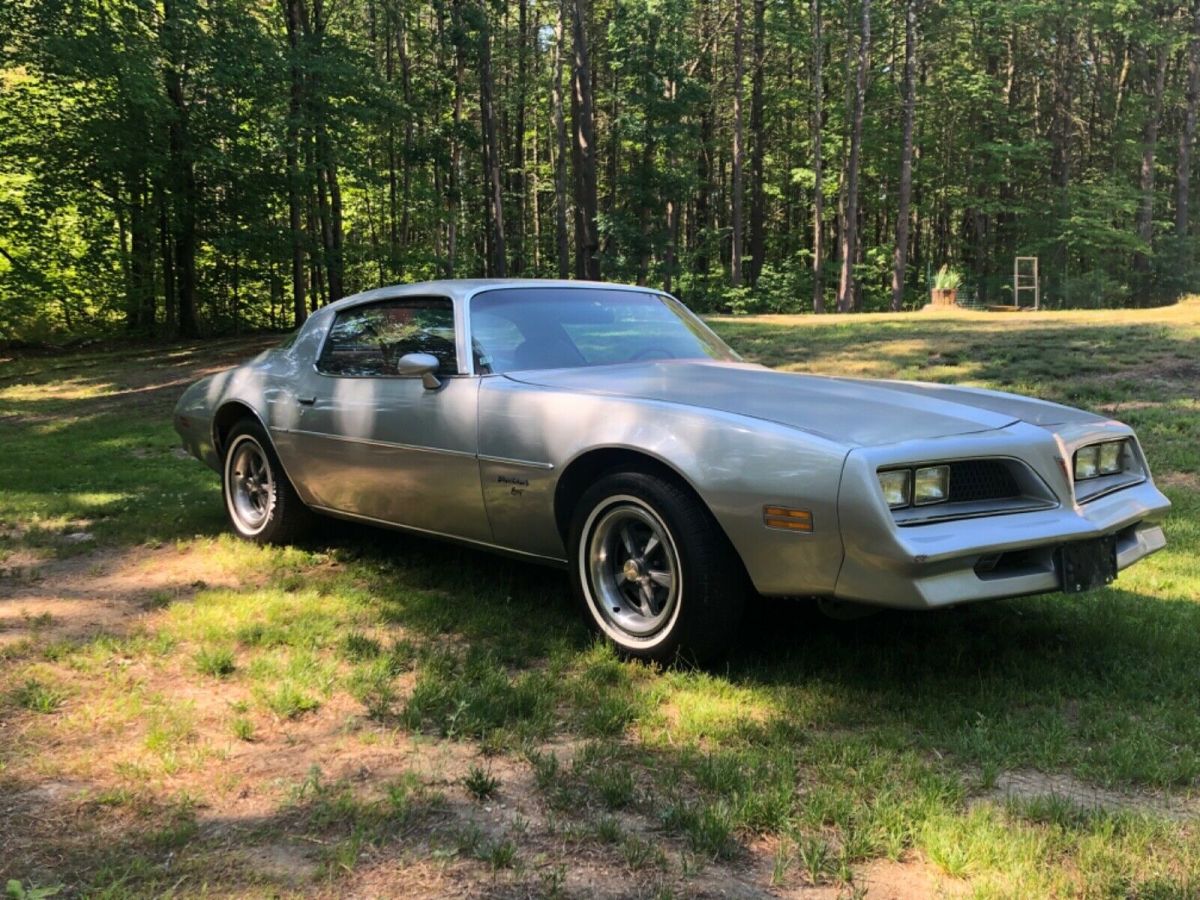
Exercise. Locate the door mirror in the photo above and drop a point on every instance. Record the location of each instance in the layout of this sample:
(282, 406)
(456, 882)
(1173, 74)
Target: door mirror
(423, 364)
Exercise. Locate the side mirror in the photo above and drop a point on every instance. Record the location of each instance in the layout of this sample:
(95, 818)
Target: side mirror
(423, 364)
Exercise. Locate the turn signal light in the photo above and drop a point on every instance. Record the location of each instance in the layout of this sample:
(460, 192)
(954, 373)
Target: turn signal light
(788, 519)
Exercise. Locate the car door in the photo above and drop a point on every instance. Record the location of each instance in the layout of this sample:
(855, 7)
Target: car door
(383, 446)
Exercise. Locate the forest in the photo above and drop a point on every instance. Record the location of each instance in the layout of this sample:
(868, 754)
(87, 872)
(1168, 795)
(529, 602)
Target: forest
(195, 167)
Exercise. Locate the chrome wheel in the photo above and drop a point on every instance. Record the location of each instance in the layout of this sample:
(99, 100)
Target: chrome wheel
(632, 569)
(249, 484)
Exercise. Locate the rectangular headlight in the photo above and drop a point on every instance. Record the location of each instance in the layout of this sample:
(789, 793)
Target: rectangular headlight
(1110, 457)
(897, 487)
(1087, 462)
(931, 485)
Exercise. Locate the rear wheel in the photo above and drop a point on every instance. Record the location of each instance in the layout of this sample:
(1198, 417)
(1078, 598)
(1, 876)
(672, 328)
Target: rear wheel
(261, 503)
(652, 570)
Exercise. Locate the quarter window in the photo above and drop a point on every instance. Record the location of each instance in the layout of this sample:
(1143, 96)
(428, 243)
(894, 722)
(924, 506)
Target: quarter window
(369, 340)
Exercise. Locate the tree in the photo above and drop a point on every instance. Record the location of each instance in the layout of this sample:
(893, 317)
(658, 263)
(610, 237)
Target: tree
(817, 125)
(847, 286)
(587, 239)
(739, 67)
(178, 167)
(1187, 135)
(562, 251)
(900, 256)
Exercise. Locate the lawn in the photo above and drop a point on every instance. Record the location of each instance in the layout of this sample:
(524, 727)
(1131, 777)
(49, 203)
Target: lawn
(377, 714)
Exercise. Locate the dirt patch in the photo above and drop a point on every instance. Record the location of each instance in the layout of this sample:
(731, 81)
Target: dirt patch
(1184, 481)
(1027, 785)
(103, 591)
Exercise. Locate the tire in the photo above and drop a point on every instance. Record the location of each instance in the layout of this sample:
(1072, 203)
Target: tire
(259, 499)
(652, 571)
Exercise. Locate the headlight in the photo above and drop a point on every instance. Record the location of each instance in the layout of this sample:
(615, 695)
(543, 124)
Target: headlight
(1110, 457)
(897, 487)
(1100, 459)
(1087, 462)
(931, 485)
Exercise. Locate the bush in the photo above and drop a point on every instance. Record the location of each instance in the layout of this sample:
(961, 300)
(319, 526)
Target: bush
(1093, 290)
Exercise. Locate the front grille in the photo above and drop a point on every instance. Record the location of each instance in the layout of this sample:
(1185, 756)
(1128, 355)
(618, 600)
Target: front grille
(972, 480)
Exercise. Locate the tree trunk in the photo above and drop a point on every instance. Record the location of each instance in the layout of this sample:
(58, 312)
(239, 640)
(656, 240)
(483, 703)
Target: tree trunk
(735, 253)
(847, 287)
(698, 228)
(818, 121)
(454, 198)
(649, 149)
(183, 169)
(167, 258)
(587, 239)
(142, 294)
(900, 258)
(335, 260)
(758, 152)
(1187, 136)
(560, 148)
(1145, 216)
(516, 187)
(393, 178)
(491, 150)
(295, 111)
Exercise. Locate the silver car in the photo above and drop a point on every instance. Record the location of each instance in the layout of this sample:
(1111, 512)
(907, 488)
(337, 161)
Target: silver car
(608, 430)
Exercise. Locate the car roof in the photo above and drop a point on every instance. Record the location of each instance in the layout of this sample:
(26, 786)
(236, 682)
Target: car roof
(464, 288)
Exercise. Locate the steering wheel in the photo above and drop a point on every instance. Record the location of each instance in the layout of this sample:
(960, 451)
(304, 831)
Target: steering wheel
(652, 353)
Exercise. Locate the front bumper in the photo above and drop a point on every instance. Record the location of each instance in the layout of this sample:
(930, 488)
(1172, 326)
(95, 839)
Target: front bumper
(945, 563)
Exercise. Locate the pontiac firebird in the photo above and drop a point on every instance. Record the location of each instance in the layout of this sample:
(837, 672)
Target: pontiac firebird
(608, 430)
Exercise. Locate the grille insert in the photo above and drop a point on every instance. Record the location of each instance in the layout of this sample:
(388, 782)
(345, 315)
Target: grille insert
(973, 480)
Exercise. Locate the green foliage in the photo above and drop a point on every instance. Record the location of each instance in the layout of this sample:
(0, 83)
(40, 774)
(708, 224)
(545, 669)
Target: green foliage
(947, 279)
(39, 697)
(14, 889)
(215, 661)
(886, 738)
(1094, 290)
(129, 134)
(480, 783)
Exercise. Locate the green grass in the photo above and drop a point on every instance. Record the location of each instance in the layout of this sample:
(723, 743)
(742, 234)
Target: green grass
(35, 696)
(842, 743)
(215, 661)
(480, 783)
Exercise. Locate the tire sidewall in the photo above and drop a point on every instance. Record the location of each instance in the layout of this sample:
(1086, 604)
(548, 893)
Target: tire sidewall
(653, 644)
(250, 432)
(648, 492)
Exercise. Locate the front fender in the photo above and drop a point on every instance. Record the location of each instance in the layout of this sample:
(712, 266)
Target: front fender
(529, 435)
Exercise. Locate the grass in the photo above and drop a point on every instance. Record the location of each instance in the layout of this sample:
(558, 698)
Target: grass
(231, 670)
(481, 784)
(35, 696)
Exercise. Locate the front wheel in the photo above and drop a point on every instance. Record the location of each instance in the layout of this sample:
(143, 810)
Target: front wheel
(262, 504)
(652, 570)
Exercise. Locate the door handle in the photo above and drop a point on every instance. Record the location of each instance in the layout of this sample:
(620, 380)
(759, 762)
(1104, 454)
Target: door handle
(306, 401)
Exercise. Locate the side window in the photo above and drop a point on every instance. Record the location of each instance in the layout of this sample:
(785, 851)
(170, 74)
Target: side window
(369, 340)
(495, 341)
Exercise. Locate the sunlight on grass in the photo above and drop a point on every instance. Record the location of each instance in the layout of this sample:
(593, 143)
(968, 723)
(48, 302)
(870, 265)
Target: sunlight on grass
(837, 744)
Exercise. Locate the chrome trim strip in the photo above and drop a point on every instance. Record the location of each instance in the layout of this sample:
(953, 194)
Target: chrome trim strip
(508, 461)
(341, 514)
(1132, 481)
(388, 444)
(503, 460)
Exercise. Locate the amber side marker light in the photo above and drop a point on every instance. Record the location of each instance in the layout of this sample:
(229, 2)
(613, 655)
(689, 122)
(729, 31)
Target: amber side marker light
(787, 519)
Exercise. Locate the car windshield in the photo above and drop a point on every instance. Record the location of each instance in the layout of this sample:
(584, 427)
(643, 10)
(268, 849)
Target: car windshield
(515, 329)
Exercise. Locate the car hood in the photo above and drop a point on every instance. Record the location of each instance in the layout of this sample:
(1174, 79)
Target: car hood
(847, 410)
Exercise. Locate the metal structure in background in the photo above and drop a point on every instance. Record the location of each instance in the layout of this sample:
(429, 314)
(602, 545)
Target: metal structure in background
(1026, 280)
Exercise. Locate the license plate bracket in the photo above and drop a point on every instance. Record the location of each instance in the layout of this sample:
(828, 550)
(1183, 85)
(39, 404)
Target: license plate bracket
(1087, 565)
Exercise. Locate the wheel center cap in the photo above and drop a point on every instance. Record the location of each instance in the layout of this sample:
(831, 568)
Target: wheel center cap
(632, 570)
